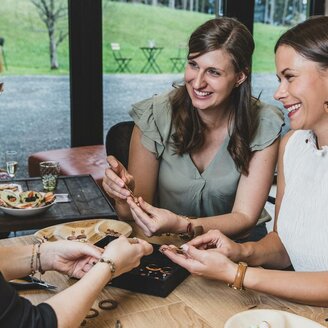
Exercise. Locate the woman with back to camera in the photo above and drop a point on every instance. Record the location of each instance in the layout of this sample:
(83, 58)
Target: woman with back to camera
(207, 149)
(300, 231)
(95, 267)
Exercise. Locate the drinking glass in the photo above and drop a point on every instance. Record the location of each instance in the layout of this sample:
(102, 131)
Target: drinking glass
(49, 172)
(11, 163)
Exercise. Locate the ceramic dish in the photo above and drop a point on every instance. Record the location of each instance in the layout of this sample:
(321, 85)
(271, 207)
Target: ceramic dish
(26, 211)
(275, 318)
(85, 230)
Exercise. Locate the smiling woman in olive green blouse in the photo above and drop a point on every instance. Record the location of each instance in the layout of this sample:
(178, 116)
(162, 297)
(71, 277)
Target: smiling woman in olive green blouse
(207, 149)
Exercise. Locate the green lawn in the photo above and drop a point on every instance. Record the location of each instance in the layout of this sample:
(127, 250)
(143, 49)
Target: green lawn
(132, 25)
(265, 38)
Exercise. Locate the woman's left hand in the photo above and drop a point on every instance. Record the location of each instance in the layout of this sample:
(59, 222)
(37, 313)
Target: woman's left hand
(69, 257)
(208, 263)
(153, 220)
(217, 240)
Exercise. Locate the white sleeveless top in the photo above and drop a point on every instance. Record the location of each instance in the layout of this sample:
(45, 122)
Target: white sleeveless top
(303, 217)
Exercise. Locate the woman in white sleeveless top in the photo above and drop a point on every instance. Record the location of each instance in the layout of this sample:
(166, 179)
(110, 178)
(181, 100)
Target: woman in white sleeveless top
(300, 236)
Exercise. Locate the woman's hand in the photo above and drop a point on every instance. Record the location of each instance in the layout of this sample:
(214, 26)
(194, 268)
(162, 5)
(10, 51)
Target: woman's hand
(116, 179)
(214, 239)
(153, 220)
(126, 255)
(69, 257)
(208, 263)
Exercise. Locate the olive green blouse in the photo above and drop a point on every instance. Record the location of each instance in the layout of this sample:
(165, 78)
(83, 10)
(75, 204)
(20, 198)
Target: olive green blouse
(181, 188)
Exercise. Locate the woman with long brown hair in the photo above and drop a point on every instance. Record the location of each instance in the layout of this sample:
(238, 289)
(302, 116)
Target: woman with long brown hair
(207, 149)
(299, 240)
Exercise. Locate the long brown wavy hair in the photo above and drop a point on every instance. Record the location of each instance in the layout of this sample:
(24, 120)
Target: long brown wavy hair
(233, 37)
(309, 39)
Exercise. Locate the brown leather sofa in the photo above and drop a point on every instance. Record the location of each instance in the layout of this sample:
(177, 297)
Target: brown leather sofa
(88, 159)
(73, 161)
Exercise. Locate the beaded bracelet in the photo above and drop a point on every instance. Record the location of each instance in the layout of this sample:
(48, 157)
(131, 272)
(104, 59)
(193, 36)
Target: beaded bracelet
(32, 261)
(110, 263)
(36, 258)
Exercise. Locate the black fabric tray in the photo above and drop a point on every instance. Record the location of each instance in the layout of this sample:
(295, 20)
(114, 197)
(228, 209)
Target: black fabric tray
(142, 280)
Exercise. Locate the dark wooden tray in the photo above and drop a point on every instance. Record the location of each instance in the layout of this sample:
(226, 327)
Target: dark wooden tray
(87, 201)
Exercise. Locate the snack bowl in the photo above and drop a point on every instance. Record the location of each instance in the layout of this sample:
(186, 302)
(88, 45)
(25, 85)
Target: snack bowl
(272, 318)
(26, 211)
(26, 203)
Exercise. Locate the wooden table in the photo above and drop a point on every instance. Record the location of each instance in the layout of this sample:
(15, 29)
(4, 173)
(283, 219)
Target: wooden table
(197, 302)
(87, 201)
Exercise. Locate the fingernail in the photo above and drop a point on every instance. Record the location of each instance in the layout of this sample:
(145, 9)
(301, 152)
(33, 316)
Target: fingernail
(163, 249)
(185, 247)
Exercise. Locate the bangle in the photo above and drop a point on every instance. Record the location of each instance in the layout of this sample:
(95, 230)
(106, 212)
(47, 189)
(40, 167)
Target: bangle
(110, 263)
(239, 278)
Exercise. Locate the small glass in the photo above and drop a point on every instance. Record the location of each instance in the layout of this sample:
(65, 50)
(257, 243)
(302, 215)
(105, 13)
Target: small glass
(49, 172)
(11, 163)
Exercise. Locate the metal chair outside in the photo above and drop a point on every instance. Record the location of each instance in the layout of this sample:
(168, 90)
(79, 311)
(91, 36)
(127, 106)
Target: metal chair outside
(178, 62)
(122, 62)
(2, 54)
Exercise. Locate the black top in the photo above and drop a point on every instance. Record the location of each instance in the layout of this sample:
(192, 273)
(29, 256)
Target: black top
(16, 311)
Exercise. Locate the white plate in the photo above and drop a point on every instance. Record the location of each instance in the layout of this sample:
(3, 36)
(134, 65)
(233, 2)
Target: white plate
(94, 229)
(276, 319)
(26, 211)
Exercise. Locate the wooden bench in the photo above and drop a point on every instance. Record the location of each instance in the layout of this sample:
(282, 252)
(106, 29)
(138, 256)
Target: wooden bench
(73, 161)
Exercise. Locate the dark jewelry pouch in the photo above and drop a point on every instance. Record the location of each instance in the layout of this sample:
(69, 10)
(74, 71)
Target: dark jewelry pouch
(156, 275)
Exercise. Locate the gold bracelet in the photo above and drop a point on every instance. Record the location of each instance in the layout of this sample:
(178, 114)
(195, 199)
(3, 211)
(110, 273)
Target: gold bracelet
(191, 232)
(239, 278)
(32, 261)
(110, 263)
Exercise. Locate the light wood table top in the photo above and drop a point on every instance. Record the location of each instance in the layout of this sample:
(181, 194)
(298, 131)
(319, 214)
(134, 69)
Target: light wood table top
(196, 302)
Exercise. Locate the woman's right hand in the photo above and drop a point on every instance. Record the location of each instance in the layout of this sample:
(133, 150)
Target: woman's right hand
(207, 263)
(216, 239)
(116, 179)
(126, 254)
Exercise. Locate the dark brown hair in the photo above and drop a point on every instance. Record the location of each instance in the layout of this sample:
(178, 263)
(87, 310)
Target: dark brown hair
(234, 38)
(309, 39)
